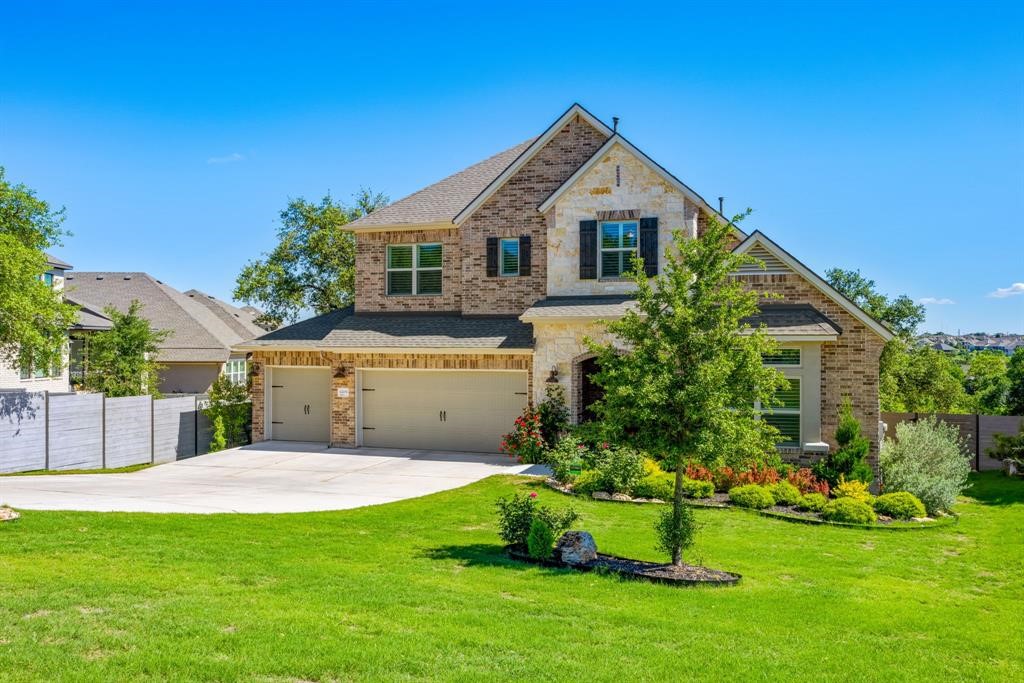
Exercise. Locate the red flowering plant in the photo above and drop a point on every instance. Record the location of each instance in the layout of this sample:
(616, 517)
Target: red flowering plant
(525, 442)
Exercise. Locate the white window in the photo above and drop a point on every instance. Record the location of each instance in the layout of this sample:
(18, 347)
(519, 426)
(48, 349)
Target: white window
(789, 357)
(235, 371)
(786, 416)
(618, 245)
(413, 269)
(510, 256)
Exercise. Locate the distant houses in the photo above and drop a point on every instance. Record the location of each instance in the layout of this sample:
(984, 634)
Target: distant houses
(950, 343)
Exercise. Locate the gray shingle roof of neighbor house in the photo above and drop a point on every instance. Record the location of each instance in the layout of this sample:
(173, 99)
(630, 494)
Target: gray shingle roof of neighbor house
(443, 200)
(780, 320)
(90, 317)
(198, 335)
(344, 329)
(241, 320)
(55, 262)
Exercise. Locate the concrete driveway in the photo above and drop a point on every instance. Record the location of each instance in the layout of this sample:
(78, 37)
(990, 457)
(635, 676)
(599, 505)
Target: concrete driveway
(265, 477)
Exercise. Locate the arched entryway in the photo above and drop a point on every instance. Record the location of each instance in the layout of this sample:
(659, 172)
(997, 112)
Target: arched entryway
(589, 391)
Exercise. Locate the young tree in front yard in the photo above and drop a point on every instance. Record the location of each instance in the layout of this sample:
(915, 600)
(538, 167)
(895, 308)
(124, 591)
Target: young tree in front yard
(313, 266)
(683, 375)
(121, 360)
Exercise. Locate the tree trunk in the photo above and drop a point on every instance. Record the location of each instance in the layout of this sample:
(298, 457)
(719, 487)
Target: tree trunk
(677, 510)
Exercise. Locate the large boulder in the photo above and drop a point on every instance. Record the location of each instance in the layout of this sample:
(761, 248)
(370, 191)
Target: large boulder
(576, 547)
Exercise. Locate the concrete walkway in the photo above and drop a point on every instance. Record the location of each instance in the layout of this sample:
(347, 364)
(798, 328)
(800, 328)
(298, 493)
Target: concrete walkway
(266, 477)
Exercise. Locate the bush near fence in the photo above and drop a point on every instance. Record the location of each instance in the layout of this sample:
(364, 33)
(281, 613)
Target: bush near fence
(976, 430)
(46, 431)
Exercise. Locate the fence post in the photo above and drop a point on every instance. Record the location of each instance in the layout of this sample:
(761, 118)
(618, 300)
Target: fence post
(977, 443)
(46, 430)
(195, 418)
(103, 430)
(152, 431)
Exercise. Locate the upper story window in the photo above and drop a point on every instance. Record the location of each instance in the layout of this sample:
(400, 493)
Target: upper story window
(235, 371)
(510, 256)
(413, 269)
(618, 245)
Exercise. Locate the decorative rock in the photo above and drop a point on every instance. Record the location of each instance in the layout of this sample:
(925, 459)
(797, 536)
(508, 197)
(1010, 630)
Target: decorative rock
(7, 514)
(921, 519)
(576, 547)
(621, 497)
(601, 495)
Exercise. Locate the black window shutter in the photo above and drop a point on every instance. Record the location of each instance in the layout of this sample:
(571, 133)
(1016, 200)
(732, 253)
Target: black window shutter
(524, 254)
(492, 257)
(588, 250)
(649, 245)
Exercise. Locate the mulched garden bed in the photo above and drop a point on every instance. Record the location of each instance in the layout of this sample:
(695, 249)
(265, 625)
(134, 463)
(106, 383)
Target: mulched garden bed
(8, 515)
(686, 575)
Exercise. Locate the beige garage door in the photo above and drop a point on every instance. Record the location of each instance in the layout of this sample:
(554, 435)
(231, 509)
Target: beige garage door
(440, 410)
(300, 404)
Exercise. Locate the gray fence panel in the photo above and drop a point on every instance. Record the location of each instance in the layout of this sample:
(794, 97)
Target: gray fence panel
(128, 431)
(22, 431)
(995, 424)
(174, 425)
(204, 433)
(76, 431)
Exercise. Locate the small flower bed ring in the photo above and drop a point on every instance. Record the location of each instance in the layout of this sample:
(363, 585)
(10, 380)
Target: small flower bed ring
(684, 575)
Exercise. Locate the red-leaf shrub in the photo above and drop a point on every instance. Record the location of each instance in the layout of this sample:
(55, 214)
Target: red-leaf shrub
(805, 480)
(698, 472)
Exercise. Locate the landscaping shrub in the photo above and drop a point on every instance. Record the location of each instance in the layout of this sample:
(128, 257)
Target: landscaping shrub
(812, 502)
(723, 479)
(697, 488)
(784, 493)
(899, 505)
(676, 532)
(554, 414)
(593, 434)
(726, 477)
(660, 485)
(751, 496)
(849, 510)
(806, 482)
(855, 489)
(928, 459)
(698, 472)
(618, 468)
(525, 442)
(541, 540)
(516, 515)
(587, 482)
(849, 460)
(569, 454)
(1009, 447)
(228, 412)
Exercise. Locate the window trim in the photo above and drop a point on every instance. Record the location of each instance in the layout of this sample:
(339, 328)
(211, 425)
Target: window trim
(501, 256)
(621, 250)
(780, 410)
(415, 269)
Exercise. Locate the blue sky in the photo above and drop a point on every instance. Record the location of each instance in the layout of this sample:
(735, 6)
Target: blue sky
(885, 137)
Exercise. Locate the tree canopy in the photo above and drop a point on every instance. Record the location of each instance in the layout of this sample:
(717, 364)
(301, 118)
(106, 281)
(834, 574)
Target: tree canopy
(683, 373)
(313, 265)
(121, 361)
(34, 319)
(901, 314)
(1015, 375)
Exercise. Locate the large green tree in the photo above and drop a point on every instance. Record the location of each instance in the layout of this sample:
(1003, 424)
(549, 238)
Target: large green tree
(921, 380)
(313, 265)
(901, 314)
(1015, 375)
(34, 319)
(987, 382)
(683, 373)
(121, 361)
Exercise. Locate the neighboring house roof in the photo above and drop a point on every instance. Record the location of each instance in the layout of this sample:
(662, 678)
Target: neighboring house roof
(90, 317)
(617, 139)
(198, 335)
(55, 262)
(343, 329)
(787, 321)
(241, 320)
(759, 238)
(440, 202)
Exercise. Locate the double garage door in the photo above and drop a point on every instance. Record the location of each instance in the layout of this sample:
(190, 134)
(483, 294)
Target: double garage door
(440, 410)
(423, 409)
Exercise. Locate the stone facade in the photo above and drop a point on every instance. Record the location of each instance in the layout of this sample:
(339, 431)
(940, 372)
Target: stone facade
(512, 212)
(371, 274)
(343, 375)
(618, 181)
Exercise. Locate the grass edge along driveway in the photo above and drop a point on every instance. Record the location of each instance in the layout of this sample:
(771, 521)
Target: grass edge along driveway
(419, 590)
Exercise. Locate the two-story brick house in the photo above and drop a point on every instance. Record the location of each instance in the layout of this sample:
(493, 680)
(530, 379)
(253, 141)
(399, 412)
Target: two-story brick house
(475, 292)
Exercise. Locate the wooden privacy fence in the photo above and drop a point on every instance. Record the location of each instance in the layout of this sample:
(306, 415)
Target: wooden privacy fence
(976, 430)
(41, 430)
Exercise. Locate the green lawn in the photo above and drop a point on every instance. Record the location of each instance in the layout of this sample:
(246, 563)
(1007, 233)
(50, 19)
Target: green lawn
(420, 590)
(109, 470)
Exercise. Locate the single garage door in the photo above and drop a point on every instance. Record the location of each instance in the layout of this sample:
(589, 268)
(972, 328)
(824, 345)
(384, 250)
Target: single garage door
(300, 404)
(440, 409)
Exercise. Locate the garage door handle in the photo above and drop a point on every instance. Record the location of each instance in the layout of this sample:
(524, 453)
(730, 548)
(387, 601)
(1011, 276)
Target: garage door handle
(440, 416)
(445, 413)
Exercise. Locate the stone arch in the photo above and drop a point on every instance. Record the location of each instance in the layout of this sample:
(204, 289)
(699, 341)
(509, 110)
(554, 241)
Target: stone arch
(578, 381)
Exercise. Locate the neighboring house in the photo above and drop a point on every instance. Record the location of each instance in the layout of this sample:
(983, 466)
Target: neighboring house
(474, 293)
(91, 319)
(53, 379)
(202, 329)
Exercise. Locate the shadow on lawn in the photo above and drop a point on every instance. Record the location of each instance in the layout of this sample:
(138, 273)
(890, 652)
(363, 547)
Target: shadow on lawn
(995, 488)
(480, 555)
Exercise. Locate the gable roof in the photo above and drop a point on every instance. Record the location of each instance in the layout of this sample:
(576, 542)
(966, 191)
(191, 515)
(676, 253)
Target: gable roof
(198, 335)
(90, 317)
(617, 139)
(241, 320)
(440, 202)
(759, 238)
(55, 262)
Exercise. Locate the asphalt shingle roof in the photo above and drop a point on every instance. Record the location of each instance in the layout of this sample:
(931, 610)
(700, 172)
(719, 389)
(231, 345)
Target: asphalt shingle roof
(443, 200)
(241, 320)
(198, 335)
(344, 329)
(580, 307)
(90, 317)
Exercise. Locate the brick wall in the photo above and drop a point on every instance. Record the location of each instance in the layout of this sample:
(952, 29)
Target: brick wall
(343, 367)
(511, 212)
(371, 262)
(849, 366)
